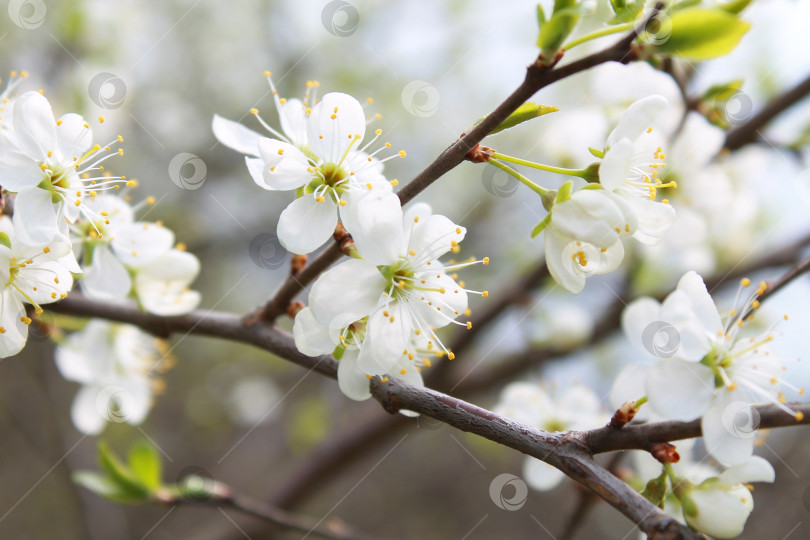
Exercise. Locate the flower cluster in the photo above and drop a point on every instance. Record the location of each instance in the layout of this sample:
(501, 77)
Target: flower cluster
(72, 222)
(378, 312)
(704, 368)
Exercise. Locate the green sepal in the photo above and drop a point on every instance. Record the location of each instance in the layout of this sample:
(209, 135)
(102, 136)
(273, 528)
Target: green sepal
(564, 193)
(656, 490)
(625, 12)
(540, 227)
(524, 113)
(5, 240)
(596, 153)
(337, 354)
(556, 31)
(701, 34)
(688, 506)
(145, 464)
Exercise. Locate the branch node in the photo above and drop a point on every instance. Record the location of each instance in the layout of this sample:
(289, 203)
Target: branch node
(665, 452)
(479, 154)
(297, 263)
(385, 394)
(623, 415)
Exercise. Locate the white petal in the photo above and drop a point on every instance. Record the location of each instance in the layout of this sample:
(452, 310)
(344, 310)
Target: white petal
(346, 293)
(756, 469)
(73, 137)
(387, 335)
(34, 125)
(311, 337)
(630, 385)
(638, 118)
(563, 271)
(84, 412)
(139, 243)
(306, 224)
(293, 120)
(17, 169)
(432, 237)
(615, 167)
(13, 339)
(702, 304)
(351, 379)
(438, 308)
(375, 223)
(285, 166)
(728, 429)
(591, 216)
(236, 136)
(106, 277)
(680, 390)
(162, 285)
(720, 513)
(654, 219)
(540, 475)
(34, 217)
(333, 124)
(637, 318)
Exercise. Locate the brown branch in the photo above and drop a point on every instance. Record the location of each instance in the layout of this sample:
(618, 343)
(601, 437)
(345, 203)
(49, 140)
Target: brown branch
(750, 131)
(564, 451)
(641, 436)
(221, 495)
(586, 502)
(536, 79)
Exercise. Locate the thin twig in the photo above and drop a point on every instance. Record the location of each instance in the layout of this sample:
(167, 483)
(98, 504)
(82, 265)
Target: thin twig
(750, 131)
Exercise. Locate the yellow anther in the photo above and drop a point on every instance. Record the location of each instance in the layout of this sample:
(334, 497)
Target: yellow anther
(254, 110)
(281, 151)
(394, 182)
(799, 416)
(282, 101)
(486, 260)
(485, 294)
(402, 153)
(450, 355)
(100, 119)
(150, 200)
(267, 73)
(469, 325)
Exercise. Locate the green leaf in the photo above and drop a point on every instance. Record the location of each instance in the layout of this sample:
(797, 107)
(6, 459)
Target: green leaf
(734, 6)
(5, 240)
(722, 92)
(700, 34)
(556, 31)
(145, 464)
(119, 473)
(524, 113)
(625, 12)
(104, 486)
(541, 226)
(541, 16)
(596, 153)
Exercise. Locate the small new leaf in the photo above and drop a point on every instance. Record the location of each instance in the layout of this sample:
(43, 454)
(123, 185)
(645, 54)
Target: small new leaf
(524, 113)
(701, 34)
(106, 487)
(119, 473)
(145, 464)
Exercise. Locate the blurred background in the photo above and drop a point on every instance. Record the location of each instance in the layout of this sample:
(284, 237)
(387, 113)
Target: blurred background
(159, 71)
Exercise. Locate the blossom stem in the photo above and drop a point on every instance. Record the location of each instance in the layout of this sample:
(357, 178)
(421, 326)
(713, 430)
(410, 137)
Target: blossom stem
(599, 33)
(540, 190)
(639, 402)
(582, 173)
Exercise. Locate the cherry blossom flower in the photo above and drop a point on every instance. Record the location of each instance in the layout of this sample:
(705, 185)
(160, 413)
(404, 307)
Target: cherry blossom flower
(704, 368)
(48, 163)
(319, 155)
(114, 363)
(632, 162)
(31, 275)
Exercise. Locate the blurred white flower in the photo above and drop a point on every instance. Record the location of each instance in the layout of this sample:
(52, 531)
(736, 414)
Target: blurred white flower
(114, 363)
(162, 285)
(574, 408)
